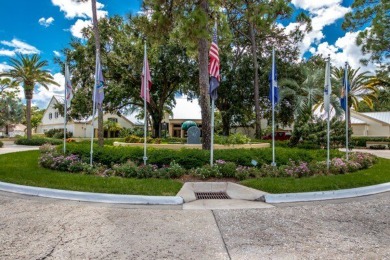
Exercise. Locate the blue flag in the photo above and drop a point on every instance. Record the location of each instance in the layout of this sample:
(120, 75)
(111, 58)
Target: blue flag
(273, 77)
(345, 89)
(99, 94)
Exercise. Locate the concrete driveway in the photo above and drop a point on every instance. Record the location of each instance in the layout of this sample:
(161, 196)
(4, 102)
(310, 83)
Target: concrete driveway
(10, 147)
(41, 228)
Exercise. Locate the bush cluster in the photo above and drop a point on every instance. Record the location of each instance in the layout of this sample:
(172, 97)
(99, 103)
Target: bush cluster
(37, 141)
(236, 138)
(58, 133)
(128, 168)
(193, 158)
(360, 141)
(138, 131)
(1, 144)
(137, 139)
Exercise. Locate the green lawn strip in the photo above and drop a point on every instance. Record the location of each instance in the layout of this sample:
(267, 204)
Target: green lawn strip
(22, 168)
(379, 173)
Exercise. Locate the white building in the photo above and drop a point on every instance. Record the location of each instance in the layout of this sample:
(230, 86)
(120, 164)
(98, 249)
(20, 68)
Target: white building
(52, 119)
(375, 124)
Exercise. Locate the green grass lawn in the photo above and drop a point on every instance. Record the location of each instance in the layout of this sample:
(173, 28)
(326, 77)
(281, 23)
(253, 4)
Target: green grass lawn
(379, 173)
(22, 168)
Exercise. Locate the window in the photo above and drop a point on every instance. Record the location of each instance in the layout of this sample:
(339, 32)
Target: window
(112, 119)
(50, 115)
(56, 114)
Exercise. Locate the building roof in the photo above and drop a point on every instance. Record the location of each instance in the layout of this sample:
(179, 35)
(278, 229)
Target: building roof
(380, 116)
(357, 121)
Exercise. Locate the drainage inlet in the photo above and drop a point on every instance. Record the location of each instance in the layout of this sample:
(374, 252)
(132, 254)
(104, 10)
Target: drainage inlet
(211, 196)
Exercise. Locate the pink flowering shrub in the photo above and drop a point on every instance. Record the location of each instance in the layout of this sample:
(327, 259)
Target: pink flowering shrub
(366, 160)
(297, 169)
(60, 162)
(338, 166)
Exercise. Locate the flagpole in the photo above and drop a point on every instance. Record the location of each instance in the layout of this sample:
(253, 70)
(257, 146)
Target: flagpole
(94, 106)
(212, 132)
(328, 110)
(346, 108)
(273, 106)
(65, 106)
(145, 108)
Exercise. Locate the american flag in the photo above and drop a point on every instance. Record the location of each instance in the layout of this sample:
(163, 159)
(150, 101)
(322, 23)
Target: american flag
(214, 65)
(145, 78)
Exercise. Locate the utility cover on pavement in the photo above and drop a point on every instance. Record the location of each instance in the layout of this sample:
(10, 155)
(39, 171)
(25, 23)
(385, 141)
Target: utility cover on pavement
(211, 196)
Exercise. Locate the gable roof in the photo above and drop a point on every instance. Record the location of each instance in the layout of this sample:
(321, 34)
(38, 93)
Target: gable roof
(384, 117)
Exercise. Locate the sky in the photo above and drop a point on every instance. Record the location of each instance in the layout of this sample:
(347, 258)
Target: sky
(45, 27)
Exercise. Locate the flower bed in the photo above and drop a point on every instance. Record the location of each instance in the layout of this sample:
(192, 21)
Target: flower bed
(51, 158)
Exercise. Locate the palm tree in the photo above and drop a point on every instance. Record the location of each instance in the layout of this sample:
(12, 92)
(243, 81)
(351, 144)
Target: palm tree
(304, 95)
(28, 71)
(360, 88)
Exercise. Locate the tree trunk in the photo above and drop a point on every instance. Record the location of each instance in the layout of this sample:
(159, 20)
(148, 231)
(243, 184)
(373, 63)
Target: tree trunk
(204, 99)
(256, 81)
(28, 94)
(100, 128)
(97, 43)
(225, 125)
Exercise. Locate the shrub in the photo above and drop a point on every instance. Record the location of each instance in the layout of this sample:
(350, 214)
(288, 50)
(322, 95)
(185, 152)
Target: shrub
(297, 169)
(366, 160)
(206, 172)
(132, 139)
(1, 144)
(60, 162)
(37, 141)
(128, 169)
(174, 170)
(227, 169)
(242, 172)
(378, 147)
(174, 140)
(58, 133)
(236, 138)
(360, 141)
(193, 158)
(147, 171)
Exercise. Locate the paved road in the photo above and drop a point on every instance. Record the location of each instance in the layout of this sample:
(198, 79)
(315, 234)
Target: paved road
(10, 147)
(41, 228)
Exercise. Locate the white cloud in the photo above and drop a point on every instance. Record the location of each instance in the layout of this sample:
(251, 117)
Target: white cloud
(313, 5)
(46, 22)
(78, 26)
(322, 14)
(4, 52)
(18, 47)
(73, 9)
(4, 67)
(42, 95)
(57, 53)
(345, 50)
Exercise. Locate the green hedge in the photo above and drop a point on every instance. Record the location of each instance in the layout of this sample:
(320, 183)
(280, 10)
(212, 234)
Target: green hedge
(192, 158)
(38, 141)
(361, 140)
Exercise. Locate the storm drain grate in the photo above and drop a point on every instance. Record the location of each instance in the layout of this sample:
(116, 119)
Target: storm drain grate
(211, 196)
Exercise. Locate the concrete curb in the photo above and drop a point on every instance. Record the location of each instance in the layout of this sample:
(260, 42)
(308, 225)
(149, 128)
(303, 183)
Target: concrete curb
(326, 195)
(91, 197)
